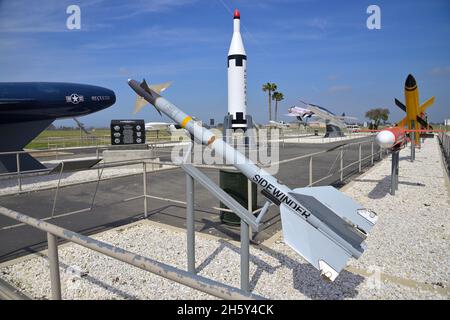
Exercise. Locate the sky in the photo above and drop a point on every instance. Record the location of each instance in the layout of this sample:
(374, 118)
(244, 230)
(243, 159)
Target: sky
(318, 51)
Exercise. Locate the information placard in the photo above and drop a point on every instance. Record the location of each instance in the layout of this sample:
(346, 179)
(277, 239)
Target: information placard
(127, 132)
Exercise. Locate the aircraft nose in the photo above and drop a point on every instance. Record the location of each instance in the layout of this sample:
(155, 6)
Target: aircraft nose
(113, 97)
(385, 139)
(103, 98)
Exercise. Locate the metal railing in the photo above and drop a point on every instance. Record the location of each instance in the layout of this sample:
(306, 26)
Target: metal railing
(192, 173)
(186, 278)
(247, 215)
(444, 140)
(83, 141)
(20, 174)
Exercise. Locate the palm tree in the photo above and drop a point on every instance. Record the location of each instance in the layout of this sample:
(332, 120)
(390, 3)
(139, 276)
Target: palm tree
(277, 96)
(269, 87)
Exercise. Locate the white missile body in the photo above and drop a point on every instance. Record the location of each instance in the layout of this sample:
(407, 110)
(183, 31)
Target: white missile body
(385, 139)
(391, 137)
(237, 77)
(320, 223)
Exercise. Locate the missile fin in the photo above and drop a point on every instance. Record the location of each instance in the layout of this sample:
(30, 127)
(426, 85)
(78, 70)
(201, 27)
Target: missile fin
(160, 87)
(426, 104)
(312, 244)
(423, 123)
(401, 123)
(144, 86)
(140, 102)
(157, 88)
(400, 105)
(347, 218)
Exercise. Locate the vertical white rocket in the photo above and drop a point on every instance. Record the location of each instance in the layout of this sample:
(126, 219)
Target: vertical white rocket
(237, 78)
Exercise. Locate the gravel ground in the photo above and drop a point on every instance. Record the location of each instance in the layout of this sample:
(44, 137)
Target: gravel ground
(411, 238)
(408, 250)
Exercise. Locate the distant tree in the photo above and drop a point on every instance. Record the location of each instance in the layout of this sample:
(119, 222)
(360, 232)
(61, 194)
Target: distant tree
(277, 96)
(343, 114)
(269, 88)
(377, 115)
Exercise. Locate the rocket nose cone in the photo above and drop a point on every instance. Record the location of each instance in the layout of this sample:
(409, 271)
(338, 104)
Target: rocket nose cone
(236, 14)
(410, 81)
(385, 139)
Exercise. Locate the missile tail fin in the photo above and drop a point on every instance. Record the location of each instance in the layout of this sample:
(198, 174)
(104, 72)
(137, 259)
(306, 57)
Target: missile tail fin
(160, 87)
(154, 88)
(347, 220)
(157, 88)
(401, 123)
(400, 105)
(140, 102)
(423, 123)
(426, 104)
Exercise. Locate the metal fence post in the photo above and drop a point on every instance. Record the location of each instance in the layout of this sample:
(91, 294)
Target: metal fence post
(245, 244)
(57, 189)
(310, 172)
(19, 178)
(54, 266)
(359, 158)
(97, 156)
(371, 154)
(342, 165)
(190, 223)
(413, 142)
(393, 173)
(448, 145)
(144, 178)
(245, 256)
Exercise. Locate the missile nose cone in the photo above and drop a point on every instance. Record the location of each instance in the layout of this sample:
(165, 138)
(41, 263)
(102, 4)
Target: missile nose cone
(385, 139)
(410, 81)
(236, 14)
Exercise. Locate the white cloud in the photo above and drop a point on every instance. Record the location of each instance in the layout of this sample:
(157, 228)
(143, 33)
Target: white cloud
(27, 16)
(129, 9)
(332, 77)
(339, 88)
(51, 16)
(318, 23)
(440, 71)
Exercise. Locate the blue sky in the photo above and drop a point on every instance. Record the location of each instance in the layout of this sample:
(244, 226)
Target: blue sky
(318, 51)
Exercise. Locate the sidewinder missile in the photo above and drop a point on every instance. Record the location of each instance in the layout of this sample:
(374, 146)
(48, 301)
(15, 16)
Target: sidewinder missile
(320, 223)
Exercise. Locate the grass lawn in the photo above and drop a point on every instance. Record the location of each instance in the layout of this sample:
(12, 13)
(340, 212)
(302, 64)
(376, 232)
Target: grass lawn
(50, 139)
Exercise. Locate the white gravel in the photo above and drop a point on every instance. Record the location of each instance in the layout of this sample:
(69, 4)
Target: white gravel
(408, 249)
(411, 239)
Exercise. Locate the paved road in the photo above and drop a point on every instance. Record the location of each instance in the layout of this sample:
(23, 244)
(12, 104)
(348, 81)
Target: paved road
(111, 210)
